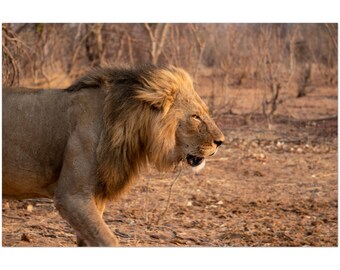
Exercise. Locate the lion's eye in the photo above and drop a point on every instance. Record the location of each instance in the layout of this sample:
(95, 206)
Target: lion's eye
(196, 117)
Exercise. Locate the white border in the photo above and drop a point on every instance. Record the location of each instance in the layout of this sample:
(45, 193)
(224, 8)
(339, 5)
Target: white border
(169, 11)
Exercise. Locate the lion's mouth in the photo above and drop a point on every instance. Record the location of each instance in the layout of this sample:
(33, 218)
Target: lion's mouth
(194, 161)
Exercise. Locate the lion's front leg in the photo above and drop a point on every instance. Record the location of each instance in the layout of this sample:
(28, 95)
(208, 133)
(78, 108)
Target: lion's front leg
(80, 241)
(101, 207)
(86, 219)
(74, 195)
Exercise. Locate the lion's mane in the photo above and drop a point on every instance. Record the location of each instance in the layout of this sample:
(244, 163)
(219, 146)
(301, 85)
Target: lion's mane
(139, 126)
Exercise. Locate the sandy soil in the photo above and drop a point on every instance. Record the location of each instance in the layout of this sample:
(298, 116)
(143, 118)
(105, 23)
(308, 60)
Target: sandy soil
(271, 184)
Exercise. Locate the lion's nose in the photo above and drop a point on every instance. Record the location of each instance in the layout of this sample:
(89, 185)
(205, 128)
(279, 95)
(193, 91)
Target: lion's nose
(218, 143)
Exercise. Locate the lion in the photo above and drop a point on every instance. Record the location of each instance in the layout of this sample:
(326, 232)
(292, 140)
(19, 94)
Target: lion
(85, 145)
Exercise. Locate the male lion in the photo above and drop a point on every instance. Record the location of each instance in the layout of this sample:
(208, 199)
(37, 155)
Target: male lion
(85, 144)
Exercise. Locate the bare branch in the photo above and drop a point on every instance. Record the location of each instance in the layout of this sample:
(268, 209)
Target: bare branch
(157, 39)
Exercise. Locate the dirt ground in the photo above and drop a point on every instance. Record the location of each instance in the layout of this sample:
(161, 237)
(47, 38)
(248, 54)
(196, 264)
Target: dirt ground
(271, 184)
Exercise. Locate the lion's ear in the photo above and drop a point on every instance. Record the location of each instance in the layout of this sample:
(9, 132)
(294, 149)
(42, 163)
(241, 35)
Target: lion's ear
(160, 100)
(159, 87)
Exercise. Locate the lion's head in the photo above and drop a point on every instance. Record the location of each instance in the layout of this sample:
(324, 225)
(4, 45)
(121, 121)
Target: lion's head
(190, 134)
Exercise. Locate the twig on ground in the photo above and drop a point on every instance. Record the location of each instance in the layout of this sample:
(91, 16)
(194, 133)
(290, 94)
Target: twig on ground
(12, 217)
(169, 197)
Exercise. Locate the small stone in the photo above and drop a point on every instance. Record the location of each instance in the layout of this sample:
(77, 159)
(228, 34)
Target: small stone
(258, 173)
(25, 238)
(280, 144)
(254, 144)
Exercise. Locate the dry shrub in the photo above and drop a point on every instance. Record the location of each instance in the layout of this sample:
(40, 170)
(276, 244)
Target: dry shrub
(222, 56)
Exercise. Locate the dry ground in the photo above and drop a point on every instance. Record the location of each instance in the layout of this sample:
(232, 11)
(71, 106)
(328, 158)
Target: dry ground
(271, 184)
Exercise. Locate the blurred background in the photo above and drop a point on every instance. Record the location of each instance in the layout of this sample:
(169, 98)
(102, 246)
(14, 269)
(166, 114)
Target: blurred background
(275, 59)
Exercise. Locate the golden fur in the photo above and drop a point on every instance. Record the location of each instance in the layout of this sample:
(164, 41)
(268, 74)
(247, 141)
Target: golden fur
(97, 135)
(125, 153)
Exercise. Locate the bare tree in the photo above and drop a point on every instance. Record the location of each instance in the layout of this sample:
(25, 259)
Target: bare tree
(272, 67)
(94, 44)
(157, 34)
(13, 50)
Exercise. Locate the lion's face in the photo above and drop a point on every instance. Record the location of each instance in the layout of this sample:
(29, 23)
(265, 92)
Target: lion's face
(197, 136)
(183, 126)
